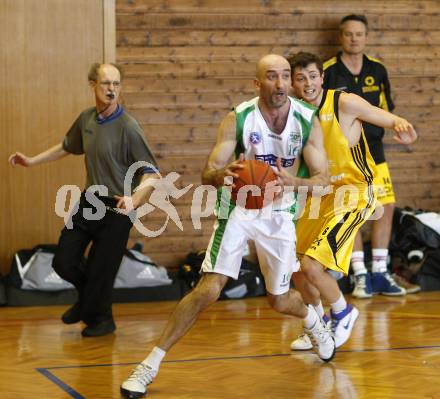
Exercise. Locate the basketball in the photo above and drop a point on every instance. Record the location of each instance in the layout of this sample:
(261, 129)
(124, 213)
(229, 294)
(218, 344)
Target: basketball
(254, 173)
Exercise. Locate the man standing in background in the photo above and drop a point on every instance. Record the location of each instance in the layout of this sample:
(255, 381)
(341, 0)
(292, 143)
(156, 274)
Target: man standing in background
(354, 72)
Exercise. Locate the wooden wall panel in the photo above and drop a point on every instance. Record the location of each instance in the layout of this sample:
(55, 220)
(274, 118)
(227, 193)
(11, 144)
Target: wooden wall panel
(47, 47)
(277, 6)
(188, 61)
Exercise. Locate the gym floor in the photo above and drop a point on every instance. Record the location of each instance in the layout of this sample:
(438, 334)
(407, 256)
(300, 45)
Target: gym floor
(237, 349)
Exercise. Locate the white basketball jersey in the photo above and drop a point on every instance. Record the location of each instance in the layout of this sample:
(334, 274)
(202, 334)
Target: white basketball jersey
(257, 141)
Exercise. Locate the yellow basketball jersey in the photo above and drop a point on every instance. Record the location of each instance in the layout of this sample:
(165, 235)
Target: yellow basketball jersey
(347, 165)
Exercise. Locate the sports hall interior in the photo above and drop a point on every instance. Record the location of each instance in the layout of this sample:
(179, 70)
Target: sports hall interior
(187, 63)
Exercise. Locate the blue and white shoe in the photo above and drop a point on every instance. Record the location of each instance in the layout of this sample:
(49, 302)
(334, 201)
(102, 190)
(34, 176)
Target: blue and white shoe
(383, 283)
(342, 324)
(362, 286)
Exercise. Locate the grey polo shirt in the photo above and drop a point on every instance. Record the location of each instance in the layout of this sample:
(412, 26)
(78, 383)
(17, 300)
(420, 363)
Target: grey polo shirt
(110, 147)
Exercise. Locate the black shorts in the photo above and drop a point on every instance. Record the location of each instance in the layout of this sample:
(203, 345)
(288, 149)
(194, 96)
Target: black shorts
(377, 151)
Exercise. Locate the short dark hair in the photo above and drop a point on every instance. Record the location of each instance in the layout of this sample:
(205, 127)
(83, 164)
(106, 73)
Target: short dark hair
(303, 60)
(354, 17)
(94, 69)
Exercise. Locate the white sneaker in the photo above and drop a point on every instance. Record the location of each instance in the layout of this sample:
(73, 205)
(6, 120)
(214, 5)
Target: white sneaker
(362, 286)
(135, 386)
(342, 324)
(322, 339)
(303, 343)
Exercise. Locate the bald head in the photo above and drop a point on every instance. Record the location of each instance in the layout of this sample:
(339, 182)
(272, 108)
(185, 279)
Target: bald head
(271, 62)
(273, 81)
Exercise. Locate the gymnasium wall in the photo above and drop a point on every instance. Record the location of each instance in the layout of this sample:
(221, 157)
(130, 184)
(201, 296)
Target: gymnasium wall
(188, 62)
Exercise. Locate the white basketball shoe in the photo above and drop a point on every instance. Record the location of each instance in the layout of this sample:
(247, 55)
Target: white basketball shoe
(342, 324)
(135, 386)
(303, 342)
(322, 339)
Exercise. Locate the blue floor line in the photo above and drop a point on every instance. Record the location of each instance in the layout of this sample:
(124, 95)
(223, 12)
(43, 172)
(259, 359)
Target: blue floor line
(248, 357)
(66, 388)
(74, 394)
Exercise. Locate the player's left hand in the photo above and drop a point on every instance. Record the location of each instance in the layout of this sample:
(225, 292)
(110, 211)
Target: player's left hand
(125, 204)
(284, 179)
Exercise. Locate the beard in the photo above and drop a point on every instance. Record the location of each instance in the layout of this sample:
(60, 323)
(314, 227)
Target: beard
(277, 101)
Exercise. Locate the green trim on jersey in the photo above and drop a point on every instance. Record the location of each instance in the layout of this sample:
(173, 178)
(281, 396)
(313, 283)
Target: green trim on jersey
(306, 104)
(303, 170)
(292, 210)
(306, 126)
(239, 126)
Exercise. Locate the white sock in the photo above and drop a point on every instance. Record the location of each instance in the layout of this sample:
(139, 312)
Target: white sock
(357, 263)
(380, 257)
(339, 305)
(155, 358)
(319, 309)
(311, 318)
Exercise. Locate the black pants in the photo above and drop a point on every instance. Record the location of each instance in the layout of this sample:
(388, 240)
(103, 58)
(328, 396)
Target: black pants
(94, 281)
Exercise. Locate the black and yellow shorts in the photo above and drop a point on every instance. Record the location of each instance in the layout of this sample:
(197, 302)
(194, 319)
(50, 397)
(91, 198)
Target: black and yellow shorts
(384, 186)
(329, 236)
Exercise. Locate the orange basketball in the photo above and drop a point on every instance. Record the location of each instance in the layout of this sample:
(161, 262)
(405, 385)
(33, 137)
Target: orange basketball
(254, 173)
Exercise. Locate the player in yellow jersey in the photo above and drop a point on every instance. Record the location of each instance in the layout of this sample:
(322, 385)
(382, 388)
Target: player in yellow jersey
(325, 243)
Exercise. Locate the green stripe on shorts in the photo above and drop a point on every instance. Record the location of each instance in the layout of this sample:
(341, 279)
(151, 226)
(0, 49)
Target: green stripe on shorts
(216, 242)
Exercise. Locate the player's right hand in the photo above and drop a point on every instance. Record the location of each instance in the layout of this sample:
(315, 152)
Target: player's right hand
(19, 159)
(230, 170)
